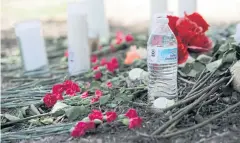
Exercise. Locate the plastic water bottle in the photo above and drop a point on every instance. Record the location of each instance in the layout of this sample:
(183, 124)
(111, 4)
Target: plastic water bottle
(162, 60)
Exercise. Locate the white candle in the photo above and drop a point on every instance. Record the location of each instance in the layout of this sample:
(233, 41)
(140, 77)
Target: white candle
(79, 55)
(97, 21)
(32, 46)
(188, 6)
(157, 6)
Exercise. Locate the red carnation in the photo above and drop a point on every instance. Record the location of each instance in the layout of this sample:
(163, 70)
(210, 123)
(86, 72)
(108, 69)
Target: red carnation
(135, 122)
(95, 67)
(84, 94)
(90, 125)
(71, 88)
(93, 58)
(129, 38)
(103, 61)
(119, 37)
(96, 114)
(58, 88)
(49, 100)
(109, 84)
(110, 67)
(131, 113)
(58, 96)
(79, 129)
(94, 99)
(98, 93)
(98, 75)
(114, 62)
(111, 116)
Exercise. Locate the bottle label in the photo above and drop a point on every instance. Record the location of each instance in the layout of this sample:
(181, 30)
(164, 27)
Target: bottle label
(159, 55)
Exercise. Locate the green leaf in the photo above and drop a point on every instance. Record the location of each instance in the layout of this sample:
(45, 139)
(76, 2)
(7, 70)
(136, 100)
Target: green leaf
(224, 47)
(104, 99)
(35, 122)
(187, 68)
(204, 59)
(75, 112)
(198, 67)
(95, 85)
(85, 101)
(229, 57)
(111, 105)
(58, 108)
(192, 73)
(214, 65)
(11, 117)
(47, 120)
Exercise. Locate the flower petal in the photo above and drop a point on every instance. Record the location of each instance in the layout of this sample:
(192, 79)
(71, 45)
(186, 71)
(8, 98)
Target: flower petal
(131, 113)
(198, 19)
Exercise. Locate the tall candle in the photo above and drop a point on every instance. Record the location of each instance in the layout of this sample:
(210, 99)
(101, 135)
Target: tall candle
(32, 46)
(97, 21)
(79, 53)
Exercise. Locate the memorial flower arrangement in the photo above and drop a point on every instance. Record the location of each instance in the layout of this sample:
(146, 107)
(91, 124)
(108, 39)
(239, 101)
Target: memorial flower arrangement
(113, 94)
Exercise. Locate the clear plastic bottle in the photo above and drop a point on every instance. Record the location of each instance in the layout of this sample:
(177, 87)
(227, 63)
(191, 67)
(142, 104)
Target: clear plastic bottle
(162, 60)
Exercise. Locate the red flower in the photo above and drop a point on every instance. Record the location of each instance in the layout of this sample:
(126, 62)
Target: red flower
(93, 58)
(95, 67)
(198, 19)
(114, 62)
(58, 88)
(111, 116)
(49, 100)
(58, 96)
(94, 99)
(119, 37)
(110, 67)
(187, 29)
(182, 51)
(200, 43)
(96, 114)
(85, 94)
(129, 38)
(77, 133)
(172, 23)
(98, 75)
(66, 54)
(109, 84)
(79, 129)
(103, 61)
(131, 113)
(98, 93)
(135, 122)
(90, 125)
(71, 87)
